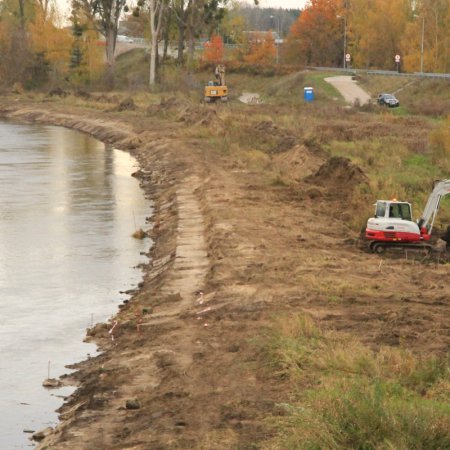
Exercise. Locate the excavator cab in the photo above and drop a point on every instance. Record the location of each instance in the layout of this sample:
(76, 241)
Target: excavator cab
(217, 90)
(393, 209)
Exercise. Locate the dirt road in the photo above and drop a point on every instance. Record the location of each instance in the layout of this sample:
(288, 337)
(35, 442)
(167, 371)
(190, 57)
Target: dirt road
(349, 89)
(233, 248)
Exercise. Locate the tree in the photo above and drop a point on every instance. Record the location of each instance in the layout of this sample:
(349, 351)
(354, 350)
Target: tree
(51, 42)
(316, 35)
(86, 55)
(213, 50)
(376, 30)
(105, 15)
(262, 49)
(204, 15)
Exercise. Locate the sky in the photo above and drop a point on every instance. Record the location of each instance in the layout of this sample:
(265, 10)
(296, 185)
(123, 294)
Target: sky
(286, 4)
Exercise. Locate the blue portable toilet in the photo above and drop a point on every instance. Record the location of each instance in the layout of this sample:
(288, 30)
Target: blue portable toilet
(308, 94)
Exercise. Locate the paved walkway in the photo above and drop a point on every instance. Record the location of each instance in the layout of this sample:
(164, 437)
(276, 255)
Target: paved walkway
(349, 89)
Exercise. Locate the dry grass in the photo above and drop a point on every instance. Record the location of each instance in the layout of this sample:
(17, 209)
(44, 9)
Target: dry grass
(347, 396)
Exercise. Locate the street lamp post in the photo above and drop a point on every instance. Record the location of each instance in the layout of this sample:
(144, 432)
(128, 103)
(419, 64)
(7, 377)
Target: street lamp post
(421, 45)
(277, 43)
(345, 41)
(344, 62)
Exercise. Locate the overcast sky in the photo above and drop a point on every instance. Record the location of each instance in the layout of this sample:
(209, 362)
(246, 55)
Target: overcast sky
(287, 4)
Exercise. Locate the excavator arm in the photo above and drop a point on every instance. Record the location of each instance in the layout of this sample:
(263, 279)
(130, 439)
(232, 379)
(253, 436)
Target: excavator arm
(441, 189)
(220, 74)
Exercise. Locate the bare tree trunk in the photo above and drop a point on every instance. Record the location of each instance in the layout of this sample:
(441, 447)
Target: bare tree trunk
(152, 61)
(191, 37)
(22, 13)
(181, 39)
(156, 11)
(167, 22)
(166, 47)
(110, 49)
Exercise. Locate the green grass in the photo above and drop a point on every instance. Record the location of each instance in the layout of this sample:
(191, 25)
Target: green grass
(132, 70)
(345, 396)
(317, 80)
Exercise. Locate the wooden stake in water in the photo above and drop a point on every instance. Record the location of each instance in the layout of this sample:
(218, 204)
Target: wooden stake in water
(48, 370)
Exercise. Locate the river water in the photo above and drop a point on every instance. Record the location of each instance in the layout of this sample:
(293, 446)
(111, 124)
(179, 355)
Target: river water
(68, 208)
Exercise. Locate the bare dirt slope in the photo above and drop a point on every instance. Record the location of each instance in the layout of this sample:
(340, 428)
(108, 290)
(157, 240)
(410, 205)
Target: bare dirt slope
(231, 252)
(349, 89)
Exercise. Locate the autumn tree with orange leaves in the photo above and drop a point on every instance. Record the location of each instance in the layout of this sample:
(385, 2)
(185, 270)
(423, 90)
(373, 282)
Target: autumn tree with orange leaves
(213, 50)
(316, 37)
(375, 32)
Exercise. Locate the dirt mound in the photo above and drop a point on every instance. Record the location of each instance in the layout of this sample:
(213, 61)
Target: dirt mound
(297, 163)
(166, 105)
(279, 140)
(100, 98)
(339, 173)
(57, 92)
(126, 105)
(185, 112)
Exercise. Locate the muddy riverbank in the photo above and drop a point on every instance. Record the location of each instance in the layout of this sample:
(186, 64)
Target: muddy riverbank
(233, 247)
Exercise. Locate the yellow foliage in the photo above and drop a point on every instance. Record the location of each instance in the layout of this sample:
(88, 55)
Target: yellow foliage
(54, 42)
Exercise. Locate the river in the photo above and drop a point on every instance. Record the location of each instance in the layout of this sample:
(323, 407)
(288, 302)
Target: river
(68, 208)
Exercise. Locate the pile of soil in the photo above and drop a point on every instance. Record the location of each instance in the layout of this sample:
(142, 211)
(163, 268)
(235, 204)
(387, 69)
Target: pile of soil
(126, 105)
(281, 140)
(340, 174)
(297, 163)
(186, 113)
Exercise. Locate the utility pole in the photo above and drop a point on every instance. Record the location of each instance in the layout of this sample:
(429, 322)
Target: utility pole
(344, 59)
(345, 40)
(277, 40)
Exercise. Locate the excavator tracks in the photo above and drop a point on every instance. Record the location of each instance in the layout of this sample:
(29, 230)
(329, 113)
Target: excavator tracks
(381, 247)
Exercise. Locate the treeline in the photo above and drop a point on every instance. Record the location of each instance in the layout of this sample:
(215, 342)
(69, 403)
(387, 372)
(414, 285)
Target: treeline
(372, 33)
(36, 49)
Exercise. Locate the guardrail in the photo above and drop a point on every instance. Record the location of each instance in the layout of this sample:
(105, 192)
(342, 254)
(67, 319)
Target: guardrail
(391, 73)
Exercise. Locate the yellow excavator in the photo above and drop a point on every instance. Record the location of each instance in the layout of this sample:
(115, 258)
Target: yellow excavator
(217, 90)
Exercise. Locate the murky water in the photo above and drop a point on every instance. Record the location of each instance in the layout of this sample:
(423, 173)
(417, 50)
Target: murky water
(68, 207)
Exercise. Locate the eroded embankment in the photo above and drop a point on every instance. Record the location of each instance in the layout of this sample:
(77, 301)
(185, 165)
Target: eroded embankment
(234, 247)
(173, 281)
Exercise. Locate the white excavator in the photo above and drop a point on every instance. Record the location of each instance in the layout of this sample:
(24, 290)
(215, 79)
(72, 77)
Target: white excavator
(394, 227)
